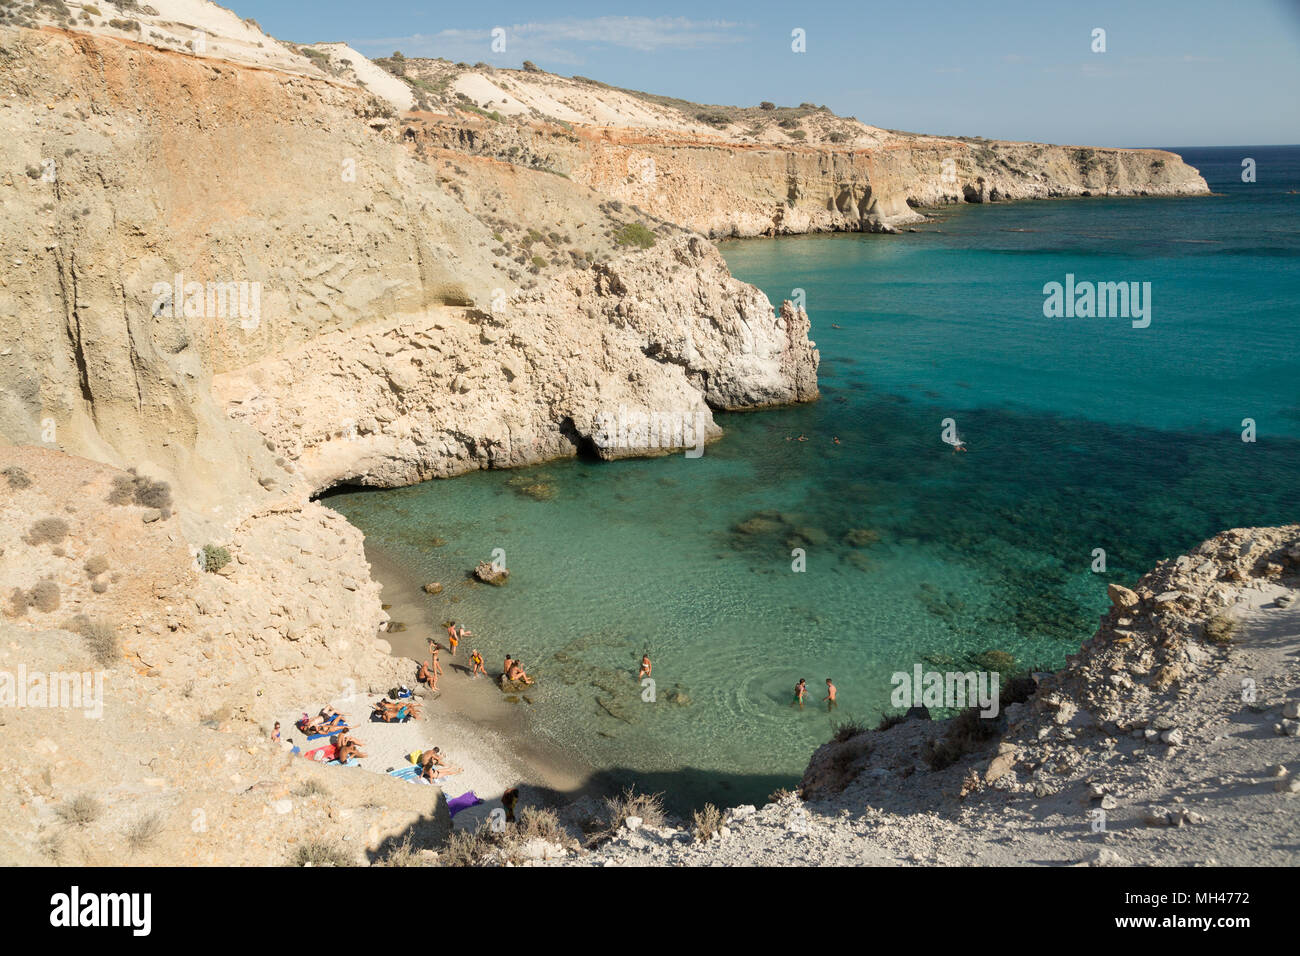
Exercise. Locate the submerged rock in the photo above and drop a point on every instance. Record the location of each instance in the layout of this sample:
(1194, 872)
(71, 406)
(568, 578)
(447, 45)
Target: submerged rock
(490, 573)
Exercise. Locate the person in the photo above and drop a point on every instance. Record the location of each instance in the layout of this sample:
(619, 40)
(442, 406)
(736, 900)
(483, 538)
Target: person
(435, 648)
(801, 438)
(426, 676)
(452, 638)
(516, 673)
(275, 734)
(326, 722)
(346, 747)
(800, 692)
(645, 667)
(830, 695)
(433, 766)
(508, 800)
(391, 711)
(835, 439)
(476, 660)
(505, 668)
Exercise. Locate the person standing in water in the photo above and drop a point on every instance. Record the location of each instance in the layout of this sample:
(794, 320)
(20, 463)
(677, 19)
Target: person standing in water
(800, 692)
(830, 695)
(477, 661)
(645, 667)
(452, 638)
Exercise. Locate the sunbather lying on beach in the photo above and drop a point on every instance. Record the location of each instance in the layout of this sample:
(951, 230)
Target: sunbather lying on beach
(433, 766)
(392, 711)
(326, 722)
(345, 747)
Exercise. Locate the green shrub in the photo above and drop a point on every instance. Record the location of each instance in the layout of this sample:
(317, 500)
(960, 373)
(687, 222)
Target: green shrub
(634, 234)
(214, 558)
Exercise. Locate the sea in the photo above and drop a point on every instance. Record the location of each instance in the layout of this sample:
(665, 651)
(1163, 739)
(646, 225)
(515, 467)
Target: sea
(849, 538)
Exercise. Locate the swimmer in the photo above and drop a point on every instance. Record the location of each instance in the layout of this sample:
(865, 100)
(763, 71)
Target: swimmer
(645, 667)
(831, 691)
(800, 692)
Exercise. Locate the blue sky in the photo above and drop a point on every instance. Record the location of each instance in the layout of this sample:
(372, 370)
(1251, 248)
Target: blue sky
(1185, 73)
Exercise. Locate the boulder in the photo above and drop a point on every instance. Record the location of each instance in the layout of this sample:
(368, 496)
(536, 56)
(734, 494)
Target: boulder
(490, 573)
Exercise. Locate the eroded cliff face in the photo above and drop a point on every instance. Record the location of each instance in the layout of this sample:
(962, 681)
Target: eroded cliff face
(725, 188)
(223, 269)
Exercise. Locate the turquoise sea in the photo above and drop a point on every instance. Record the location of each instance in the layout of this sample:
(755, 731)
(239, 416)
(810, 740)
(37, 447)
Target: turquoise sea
(1083, 434)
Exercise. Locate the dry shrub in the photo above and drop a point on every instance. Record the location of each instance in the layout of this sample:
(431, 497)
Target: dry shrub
(706, 821)
(47, 531)
(44, 596)
(144, 832)
(967, 733)
(321, 853)
(81, 811)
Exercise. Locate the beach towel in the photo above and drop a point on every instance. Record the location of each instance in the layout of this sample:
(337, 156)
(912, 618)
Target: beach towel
(321, 753)
(463, 802)
(409, 774)
(329, 733)
(352, 762)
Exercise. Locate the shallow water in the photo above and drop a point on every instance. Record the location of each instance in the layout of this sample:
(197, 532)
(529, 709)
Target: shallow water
(1082, 434)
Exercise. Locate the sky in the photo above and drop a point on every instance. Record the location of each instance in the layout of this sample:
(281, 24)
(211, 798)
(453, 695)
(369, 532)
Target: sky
(1184, 73)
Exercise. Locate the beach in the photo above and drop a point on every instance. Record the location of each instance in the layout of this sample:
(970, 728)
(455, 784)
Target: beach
(468, 718)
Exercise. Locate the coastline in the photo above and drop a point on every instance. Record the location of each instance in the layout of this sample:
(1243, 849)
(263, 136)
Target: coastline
(471, 716)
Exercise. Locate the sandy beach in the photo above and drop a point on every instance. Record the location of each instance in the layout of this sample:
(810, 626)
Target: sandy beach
(468, 717)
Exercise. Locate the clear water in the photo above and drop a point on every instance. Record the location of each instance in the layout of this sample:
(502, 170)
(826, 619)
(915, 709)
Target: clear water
(1082, 434)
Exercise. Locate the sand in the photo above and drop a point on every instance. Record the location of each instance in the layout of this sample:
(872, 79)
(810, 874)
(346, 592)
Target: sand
(468, 718)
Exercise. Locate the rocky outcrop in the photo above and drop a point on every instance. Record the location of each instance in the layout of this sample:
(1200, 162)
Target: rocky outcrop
(665, 332)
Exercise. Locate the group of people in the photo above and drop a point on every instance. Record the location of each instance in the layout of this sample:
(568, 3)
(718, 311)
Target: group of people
(431, 670)
(328, 721)
(801, 694)
(395, 711)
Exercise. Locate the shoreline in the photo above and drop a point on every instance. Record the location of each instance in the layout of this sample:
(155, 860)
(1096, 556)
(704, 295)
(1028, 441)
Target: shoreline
(472, 713)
